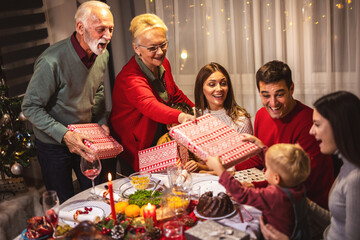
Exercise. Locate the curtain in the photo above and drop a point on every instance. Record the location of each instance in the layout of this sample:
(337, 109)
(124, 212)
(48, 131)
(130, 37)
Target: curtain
(318, 39)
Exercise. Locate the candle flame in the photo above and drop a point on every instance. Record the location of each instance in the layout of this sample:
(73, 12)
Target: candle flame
(149, 205)
(109, 177)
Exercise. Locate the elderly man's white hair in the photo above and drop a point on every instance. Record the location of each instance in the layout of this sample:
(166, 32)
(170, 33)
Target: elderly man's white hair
(83, 12)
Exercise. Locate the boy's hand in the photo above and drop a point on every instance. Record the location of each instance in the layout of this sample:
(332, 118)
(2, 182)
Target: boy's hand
(215, 164)
(191, 166)
(247, 184)
(250, 138)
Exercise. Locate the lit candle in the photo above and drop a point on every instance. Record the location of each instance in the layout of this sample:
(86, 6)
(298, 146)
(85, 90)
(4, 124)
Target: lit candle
(111, 193)
(149, 211)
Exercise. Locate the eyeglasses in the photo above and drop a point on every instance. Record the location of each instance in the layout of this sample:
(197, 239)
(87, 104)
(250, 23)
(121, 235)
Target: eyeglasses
(154, 49)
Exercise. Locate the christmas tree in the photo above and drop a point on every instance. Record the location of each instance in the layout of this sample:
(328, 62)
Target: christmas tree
(16, 147)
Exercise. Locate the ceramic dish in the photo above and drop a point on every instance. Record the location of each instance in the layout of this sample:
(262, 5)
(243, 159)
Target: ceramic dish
(214, 218)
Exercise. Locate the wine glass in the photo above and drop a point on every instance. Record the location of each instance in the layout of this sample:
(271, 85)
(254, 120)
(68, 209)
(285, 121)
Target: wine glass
(91, 169)
(51, 208)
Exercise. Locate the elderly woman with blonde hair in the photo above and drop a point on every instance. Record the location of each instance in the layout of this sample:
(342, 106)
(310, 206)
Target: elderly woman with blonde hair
(144, 91)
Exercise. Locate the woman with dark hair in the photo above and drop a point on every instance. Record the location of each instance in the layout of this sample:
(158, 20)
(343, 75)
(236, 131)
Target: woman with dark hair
(214, 94)
(336, 125)
(336, 120)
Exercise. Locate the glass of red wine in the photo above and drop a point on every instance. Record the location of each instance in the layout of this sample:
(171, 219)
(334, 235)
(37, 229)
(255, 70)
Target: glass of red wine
(51, 208)
(91, 168)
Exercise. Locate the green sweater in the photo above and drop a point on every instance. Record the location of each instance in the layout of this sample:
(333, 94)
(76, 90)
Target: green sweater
(64, 91)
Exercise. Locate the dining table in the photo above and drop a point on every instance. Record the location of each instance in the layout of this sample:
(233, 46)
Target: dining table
(247, 221)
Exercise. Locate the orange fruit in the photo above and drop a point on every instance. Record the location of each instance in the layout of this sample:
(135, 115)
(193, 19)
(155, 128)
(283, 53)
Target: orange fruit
(142, 210)
(120, 207)
(132, 210)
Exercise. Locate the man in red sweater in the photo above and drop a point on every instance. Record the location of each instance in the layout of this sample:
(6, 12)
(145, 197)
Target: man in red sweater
(286, 120)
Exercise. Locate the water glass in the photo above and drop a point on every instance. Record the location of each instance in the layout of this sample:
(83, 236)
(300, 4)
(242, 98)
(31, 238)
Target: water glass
(173, 230)
(195, 193)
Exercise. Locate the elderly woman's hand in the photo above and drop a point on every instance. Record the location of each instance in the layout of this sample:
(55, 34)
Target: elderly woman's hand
(184, 117)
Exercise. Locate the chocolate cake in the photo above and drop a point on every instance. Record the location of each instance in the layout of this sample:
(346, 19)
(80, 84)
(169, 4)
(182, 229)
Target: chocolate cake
(214, 206)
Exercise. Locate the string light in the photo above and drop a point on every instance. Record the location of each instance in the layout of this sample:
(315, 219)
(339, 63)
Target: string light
(184, 54)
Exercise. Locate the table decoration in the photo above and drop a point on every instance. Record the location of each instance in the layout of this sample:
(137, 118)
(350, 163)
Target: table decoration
(149, 211)
(111, 193)
(211, 137)
(102, 144)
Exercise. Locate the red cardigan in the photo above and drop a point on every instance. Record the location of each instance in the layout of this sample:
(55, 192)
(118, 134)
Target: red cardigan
(137, 109)
(294, 128)
(274, 203)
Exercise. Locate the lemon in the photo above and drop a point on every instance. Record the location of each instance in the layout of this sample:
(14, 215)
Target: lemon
(132, 210)
(120, 207)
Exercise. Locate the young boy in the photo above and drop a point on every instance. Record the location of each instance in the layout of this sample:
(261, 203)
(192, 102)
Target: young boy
(283, 201)
(194, 164)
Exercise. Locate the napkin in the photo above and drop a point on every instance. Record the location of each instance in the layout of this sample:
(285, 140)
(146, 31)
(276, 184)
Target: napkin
(81, 217)
(251, 224)
(100, 192)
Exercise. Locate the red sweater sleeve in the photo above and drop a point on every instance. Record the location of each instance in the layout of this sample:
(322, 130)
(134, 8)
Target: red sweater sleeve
(272, 201)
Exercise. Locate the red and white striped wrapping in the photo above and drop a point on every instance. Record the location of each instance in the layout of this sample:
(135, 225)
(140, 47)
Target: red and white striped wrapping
(158, 158)
(105, 146)
(209, 136)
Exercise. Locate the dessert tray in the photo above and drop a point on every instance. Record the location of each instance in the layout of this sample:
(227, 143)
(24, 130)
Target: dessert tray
(98, 209)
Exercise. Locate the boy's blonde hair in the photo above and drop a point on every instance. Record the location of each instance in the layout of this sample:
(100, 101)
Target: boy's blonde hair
(145, 22)
(290, 161)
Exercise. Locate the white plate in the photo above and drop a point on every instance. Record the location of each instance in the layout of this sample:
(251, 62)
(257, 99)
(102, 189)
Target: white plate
(99, 208)
(210, 185)
(213, 218)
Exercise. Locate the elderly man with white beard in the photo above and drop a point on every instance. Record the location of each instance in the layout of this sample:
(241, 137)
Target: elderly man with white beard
(67, 88)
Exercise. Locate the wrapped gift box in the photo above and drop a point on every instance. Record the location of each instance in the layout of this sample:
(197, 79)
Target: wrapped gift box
(208, 136)
(158, 158)
(104, 145)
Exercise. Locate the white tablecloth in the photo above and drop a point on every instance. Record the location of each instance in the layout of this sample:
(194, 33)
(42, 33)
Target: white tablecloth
(206, 182)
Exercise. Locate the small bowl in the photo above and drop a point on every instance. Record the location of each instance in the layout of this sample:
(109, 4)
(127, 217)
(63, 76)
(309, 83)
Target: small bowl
(140, 180)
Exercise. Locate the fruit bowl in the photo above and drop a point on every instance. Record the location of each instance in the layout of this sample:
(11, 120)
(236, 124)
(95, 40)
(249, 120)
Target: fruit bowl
(140, 180)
